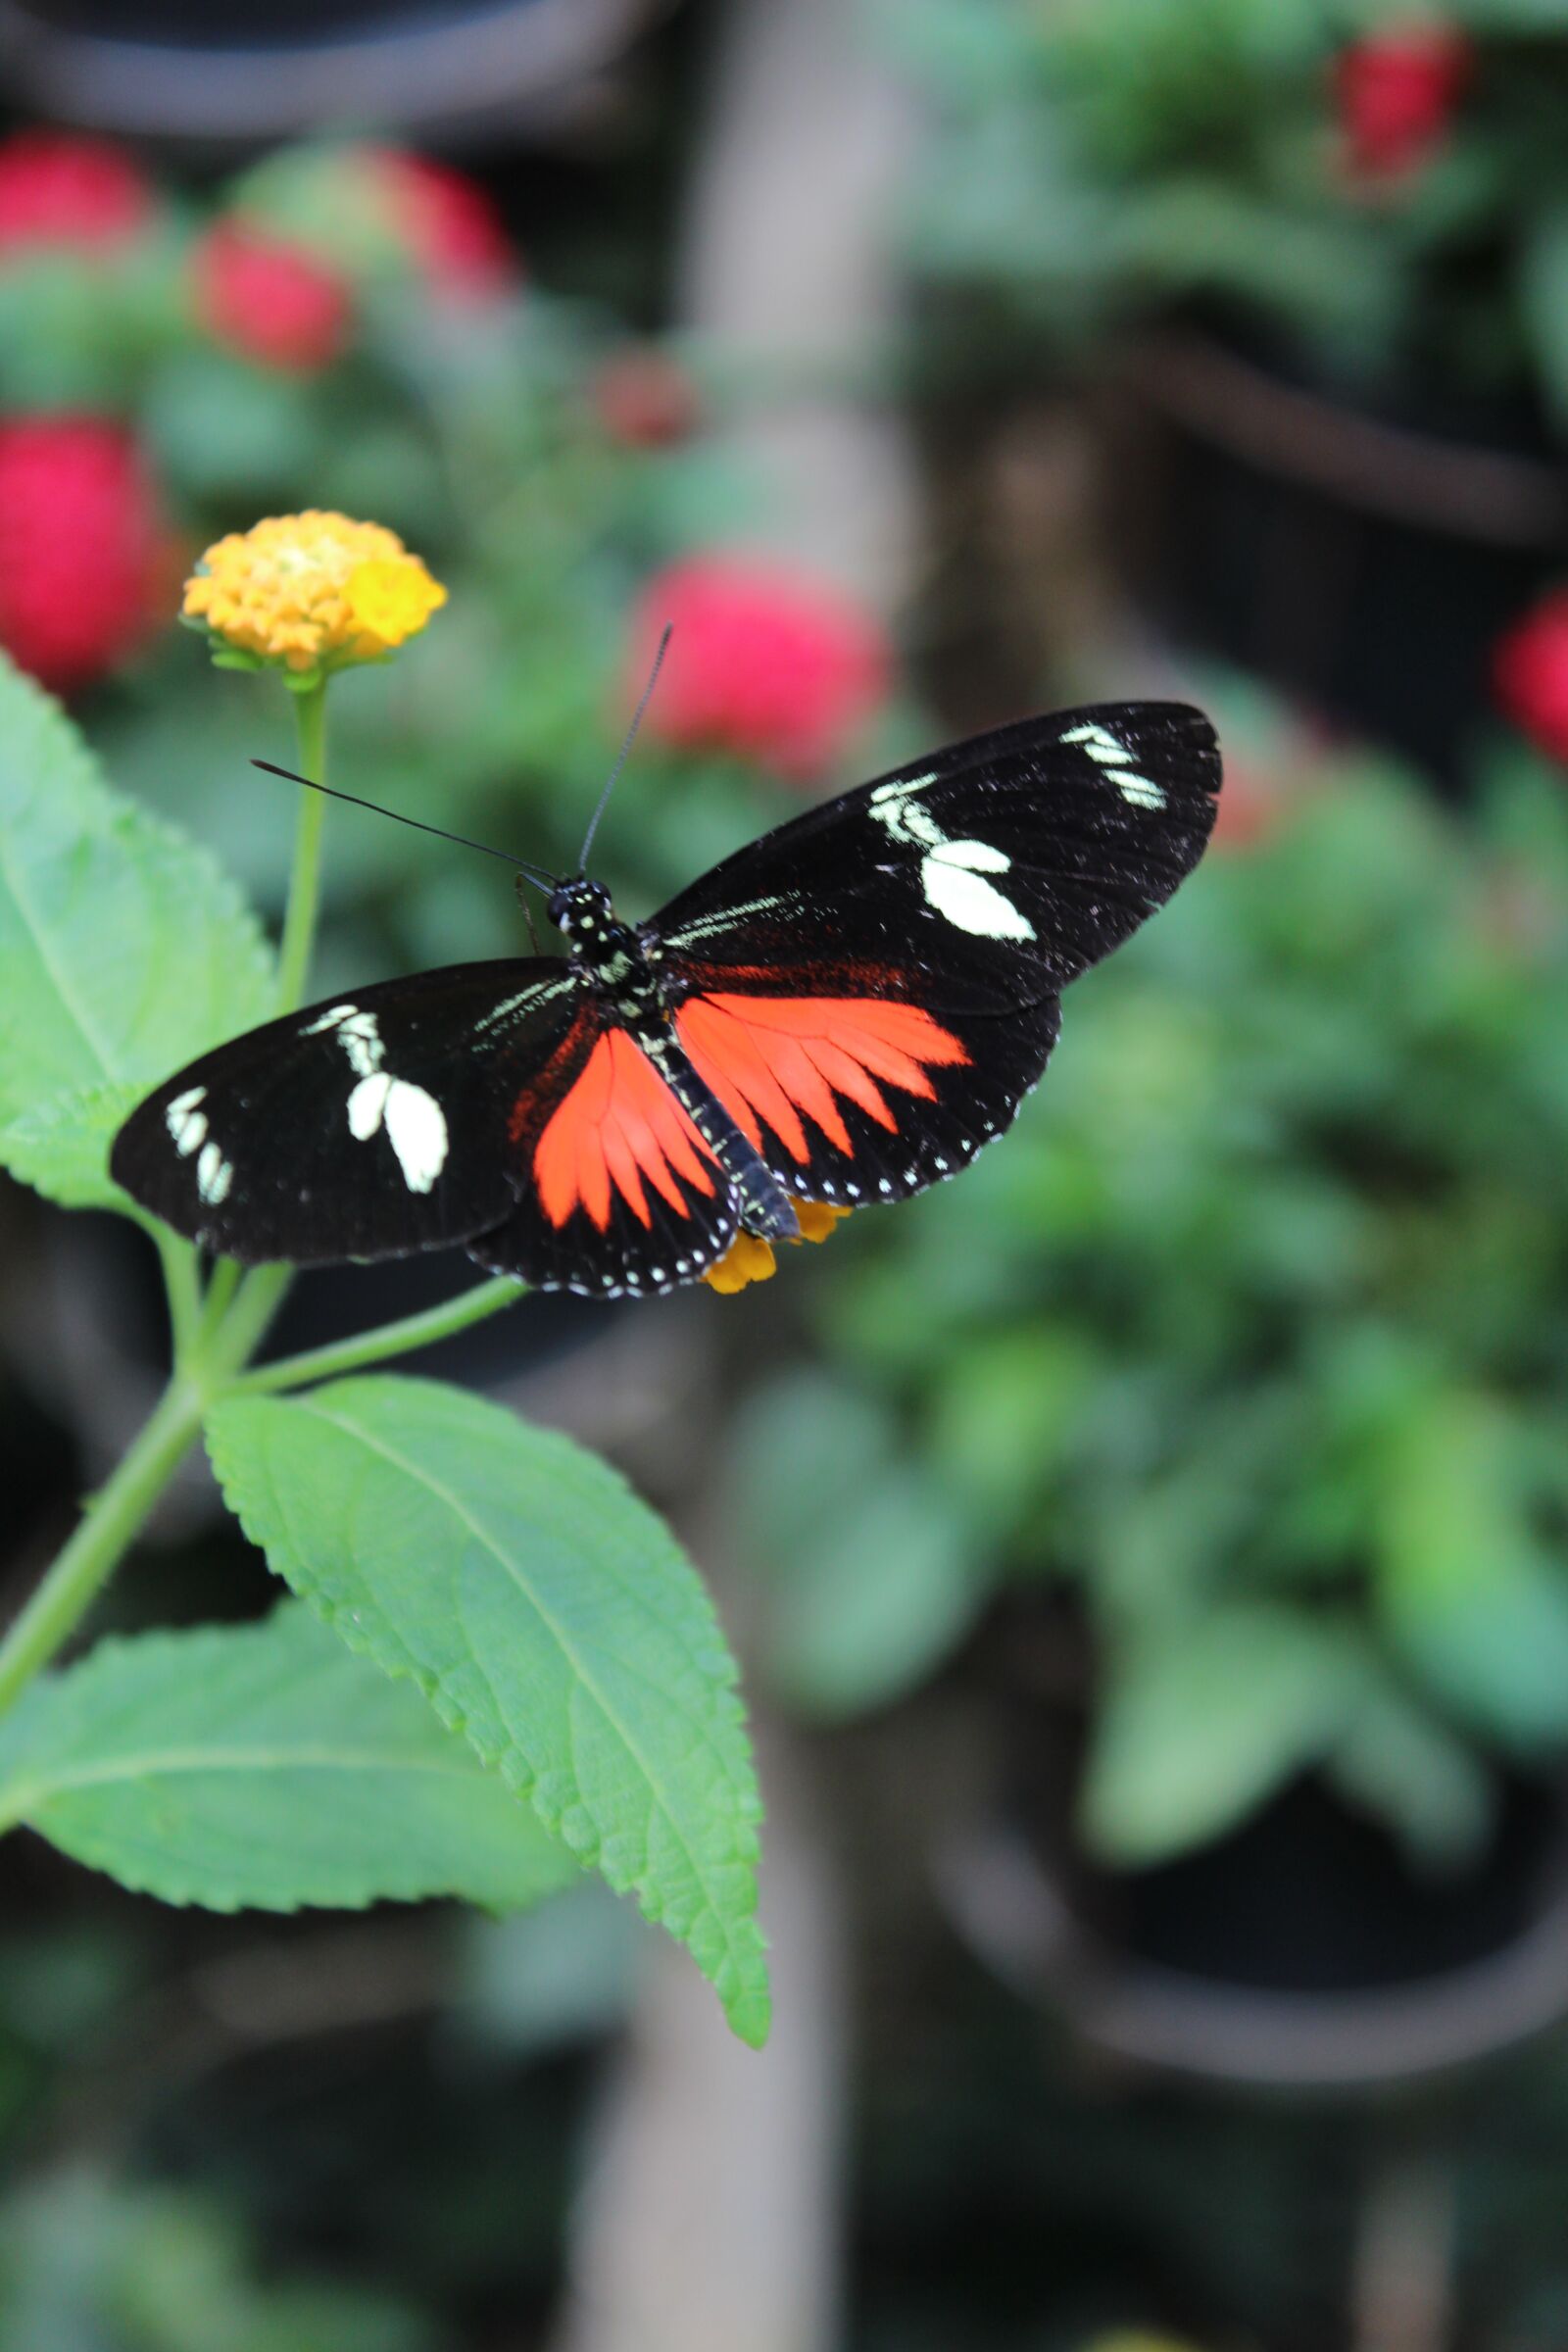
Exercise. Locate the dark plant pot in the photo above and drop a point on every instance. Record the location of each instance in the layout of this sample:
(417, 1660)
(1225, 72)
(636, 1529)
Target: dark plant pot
(179, 70)
(1362, 559)
(1300, 1951)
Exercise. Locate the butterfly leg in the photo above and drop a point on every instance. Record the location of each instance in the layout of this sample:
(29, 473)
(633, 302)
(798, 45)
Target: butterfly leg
(765, 1207)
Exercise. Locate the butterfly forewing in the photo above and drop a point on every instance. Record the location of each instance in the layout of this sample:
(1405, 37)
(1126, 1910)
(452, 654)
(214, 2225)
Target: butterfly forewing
(370, 1125)
(872, 988)
(997, 871)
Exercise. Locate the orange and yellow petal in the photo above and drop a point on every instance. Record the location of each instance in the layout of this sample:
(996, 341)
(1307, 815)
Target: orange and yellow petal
(745, 1261)
(391, 598)
(748, 1259)
(310, 592)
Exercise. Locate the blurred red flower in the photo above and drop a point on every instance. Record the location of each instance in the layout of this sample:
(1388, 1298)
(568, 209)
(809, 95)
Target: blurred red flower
(644, 400)
(56, 189)
(765, 662)
(449, 226)
(270, 299)
(1529, 673)
(79, 543)
(1395, 93)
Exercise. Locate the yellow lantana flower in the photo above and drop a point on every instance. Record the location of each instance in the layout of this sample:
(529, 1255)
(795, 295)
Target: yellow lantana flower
(308, 593)
(748, 1259)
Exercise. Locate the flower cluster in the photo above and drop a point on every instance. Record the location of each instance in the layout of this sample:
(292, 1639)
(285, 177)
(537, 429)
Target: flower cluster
(1530, 671)
(282, 277)
(1395, 93)
(74, 194)
(748, 1259)
(308, 593)
(269, 300)
(765, 662)
(79, 542)
(644, 399)
(446, 224)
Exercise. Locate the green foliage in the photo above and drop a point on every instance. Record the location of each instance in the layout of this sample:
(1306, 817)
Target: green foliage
(124, 951)
(874, 1569)
(545, 1613)
(1255, 1328)
(1101, 166)
(1196, 1731)
(263, 1767)
(90, 2265)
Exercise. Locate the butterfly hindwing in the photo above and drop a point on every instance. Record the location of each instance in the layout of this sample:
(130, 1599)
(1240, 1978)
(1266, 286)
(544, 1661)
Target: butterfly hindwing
(872, 988)
(857, 1101)
(620, 1193)
(370, 1125)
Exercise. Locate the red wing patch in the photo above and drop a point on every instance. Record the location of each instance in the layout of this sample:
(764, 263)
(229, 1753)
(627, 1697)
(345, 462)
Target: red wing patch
(618, 1130)
(769, 1060)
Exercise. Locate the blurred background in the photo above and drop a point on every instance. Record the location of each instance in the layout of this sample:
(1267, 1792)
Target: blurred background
(1149, 1557)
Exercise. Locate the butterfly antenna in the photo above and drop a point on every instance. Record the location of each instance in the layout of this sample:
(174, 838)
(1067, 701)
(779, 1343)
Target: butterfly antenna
(529, 873)
(631, 737)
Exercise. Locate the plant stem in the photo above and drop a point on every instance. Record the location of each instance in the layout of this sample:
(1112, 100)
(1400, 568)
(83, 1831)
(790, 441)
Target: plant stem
(221, 1289)
(184, 1295)
(387, 1339)
(113, 1518)
(255, 1302)
(304, 880)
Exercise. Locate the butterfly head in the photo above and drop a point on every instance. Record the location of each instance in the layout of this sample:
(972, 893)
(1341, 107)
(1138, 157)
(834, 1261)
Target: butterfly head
(581, 910)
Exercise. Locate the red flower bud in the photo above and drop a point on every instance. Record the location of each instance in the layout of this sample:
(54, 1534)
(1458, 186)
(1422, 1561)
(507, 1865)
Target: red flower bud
(765, 662)
(1395, 93)
(79, 546)
(450, 226)
(1529, 673)
(270, 299)
(644, 400)
(56, 189)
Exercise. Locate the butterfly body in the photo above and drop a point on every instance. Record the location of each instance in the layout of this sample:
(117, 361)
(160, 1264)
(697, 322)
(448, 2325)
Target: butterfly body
(844, 1011)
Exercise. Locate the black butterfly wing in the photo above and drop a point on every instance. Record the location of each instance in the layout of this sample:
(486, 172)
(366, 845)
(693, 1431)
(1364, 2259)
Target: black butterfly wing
(620, 1192)
(487, 1103)
(998, 869)
(372, 1125)
(872, 989)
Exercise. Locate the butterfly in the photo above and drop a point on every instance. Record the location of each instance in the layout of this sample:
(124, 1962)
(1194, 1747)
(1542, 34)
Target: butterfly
(845, 1011)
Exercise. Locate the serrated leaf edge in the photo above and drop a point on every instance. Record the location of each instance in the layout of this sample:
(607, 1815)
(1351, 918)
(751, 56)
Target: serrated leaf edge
(748, 2009)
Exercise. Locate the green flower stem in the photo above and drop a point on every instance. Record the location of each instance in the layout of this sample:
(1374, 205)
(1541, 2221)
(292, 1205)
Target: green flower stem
(387, 1339)
(239, 1336)
(225, 1281)
(305, 881)
(113, 1517)
(184, 1292)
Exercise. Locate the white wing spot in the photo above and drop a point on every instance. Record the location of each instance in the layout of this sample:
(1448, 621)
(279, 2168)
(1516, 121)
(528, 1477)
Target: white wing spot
(415, 1125)
(1141, 791)
(368, 1106)
(214, 1175)
(185, 1122)
(954, 888)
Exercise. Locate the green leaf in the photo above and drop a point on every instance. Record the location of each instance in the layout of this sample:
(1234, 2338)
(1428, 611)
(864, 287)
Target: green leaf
(1466, 1591)
(546, 1612)
(871, 1573)
(882, 1595)
(263, 1766)
(61, 1147)
(1398, 1760)
(124, 950)
(1196, 1728)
